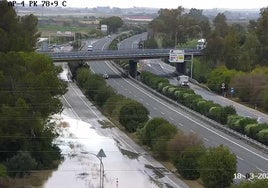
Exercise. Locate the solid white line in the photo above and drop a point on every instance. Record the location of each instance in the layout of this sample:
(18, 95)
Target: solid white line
(192, 131)
(85, 103)
(71, 107)
(260, 169)
(240, 158)
(190, 119)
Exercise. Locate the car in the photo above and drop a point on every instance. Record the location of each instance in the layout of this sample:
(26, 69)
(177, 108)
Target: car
(109, 36)
(89, 48)
(105, 75)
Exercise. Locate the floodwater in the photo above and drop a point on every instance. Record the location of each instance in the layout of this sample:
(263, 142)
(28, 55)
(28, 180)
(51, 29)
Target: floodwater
(79, 141)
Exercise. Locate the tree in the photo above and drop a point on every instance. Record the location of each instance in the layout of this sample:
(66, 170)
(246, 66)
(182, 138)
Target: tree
(187, 162)
(217, 167)
(232, 50)
(180, 142)
(133, 115)
(17, 33)
(30, 91)
(156, 134)
(220, 24)
(262, 33)
(113, 23)
(20, 164)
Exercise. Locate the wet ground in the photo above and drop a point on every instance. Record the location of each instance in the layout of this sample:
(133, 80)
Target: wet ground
(79, 141)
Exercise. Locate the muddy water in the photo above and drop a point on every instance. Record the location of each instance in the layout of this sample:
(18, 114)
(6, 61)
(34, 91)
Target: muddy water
(79, 141)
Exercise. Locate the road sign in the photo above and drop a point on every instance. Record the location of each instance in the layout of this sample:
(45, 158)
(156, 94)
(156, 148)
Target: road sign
(223, 85)
(232, 90)
(101, 153)
(176, 56)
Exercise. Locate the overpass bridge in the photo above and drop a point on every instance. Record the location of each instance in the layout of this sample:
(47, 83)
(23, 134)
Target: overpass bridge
(133, 54)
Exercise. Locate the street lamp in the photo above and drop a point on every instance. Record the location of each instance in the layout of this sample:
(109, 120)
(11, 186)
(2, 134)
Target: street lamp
(100, 155)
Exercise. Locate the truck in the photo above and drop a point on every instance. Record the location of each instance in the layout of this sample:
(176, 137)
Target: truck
(201, 44)
(183, 81)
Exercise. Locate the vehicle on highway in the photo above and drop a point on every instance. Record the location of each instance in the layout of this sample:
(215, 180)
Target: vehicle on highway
(89, 47)
(183, 81)
(105, 75)
(201, 44)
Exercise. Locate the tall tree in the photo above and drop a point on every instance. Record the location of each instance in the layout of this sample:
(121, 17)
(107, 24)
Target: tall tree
(262, 33)
(217, 167)
(16, 33)
(220, 25)
(113, 23)
(232, 50)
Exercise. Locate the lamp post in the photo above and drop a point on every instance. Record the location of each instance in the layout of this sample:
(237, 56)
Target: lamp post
(100, 155)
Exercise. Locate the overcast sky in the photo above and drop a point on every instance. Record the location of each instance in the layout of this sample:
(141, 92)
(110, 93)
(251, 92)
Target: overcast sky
(200, 4)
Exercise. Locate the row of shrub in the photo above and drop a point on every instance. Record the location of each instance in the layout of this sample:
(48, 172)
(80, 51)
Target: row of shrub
(225, 115)
(185, 151)
(129, 113)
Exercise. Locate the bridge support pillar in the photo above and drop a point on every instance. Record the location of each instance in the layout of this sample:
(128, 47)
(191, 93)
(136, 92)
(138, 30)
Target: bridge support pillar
(133, 68)
(181, 68)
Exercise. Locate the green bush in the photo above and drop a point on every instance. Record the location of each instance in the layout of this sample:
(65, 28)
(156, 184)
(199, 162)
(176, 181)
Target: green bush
(187, 162)
(218, 76)
(233, 122)
(215, 113)
(249, 127)
(3, 171)
(156, 134)
(263, 136)
(254, 130)
(156, 128)
(102, 95)
(20, 165)
(132, 115)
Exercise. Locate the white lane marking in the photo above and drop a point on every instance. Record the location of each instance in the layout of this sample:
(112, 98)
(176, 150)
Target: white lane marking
(189, 118)
(240, 158)
(71, 107)
(260, 169)
(147, 104)
(180, 124)
(85, 103)
(155, 108)
(171, 118)
(162, 113)
(192, 131)
(205, 139)
(140, 99)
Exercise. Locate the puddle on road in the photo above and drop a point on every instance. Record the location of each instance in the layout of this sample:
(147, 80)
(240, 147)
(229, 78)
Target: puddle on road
(80, 143)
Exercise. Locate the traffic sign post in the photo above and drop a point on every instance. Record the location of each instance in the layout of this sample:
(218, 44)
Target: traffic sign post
(176, 56)
(223, 89)
(232, 91)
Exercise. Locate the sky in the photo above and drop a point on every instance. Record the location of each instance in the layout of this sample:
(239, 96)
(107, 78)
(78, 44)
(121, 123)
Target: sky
(200, 4)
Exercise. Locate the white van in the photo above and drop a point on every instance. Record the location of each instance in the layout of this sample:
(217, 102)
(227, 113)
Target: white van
(89, 48)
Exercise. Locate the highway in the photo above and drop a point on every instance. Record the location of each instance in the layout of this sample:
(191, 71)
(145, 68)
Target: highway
(160, 68)
(249, 159)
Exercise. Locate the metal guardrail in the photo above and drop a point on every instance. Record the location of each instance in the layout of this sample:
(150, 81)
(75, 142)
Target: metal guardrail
(210, 122)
